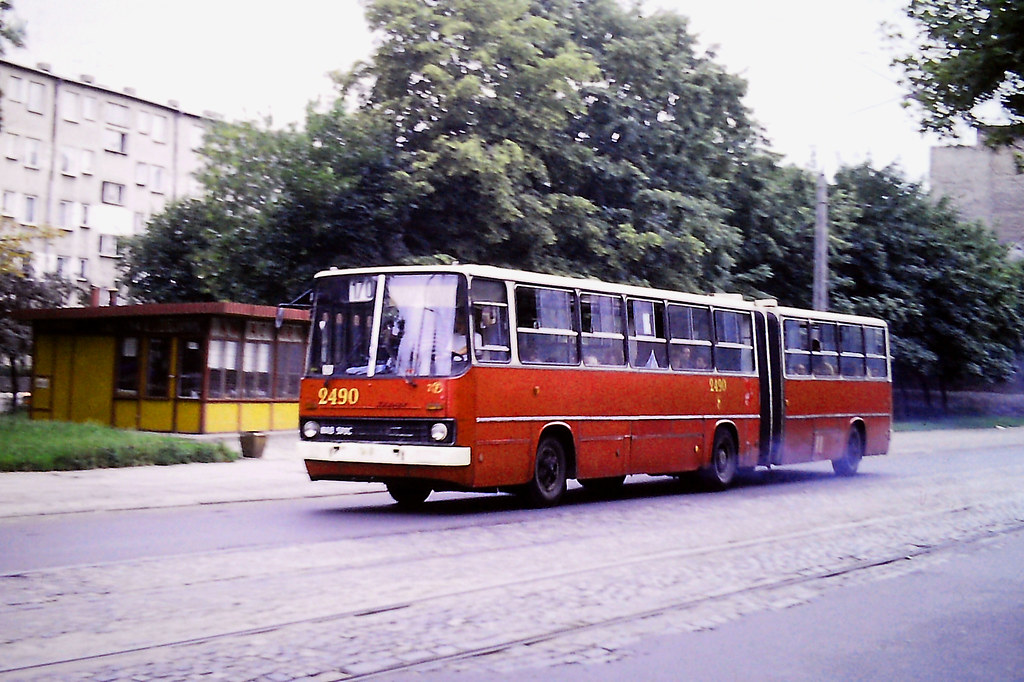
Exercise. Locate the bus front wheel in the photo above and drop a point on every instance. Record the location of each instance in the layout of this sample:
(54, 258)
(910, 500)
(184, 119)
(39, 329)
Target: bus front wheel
(549, 474)
(408, 494)
(848, 463)
(721, 470)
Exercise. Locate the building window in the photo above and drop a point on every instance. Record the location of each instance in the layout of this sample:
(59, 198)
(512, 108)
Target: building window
(30, 210)
(32, 148)
(89, 106)
(83, 268)
(290, 353)
(141, 174)
(11, 143)
(256, 366)
(157, 183)
(87, 159)
(7, 207)
(190, 372)
(117, 114)
(158, 368)
(159, 128)
(65, 213)
(108, 245)
(70, 106)
(222, 358)
(113, 193)
(67, 161)
(115, 141)
(36, 97)
(84, 222)
(15, 89)
(127, 372)
(62, 266)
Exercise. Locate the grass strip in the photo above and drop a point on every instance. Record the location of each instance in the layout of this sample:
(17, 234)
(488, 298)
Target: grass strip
(27, 445)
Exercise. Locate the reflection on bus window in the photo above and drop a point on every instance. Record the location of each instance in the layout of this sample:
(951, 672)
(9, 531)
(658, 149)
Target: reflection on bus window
(798, 356)
(546, 331)
(690, 334)
(418, 334)
(877, 354)
(851, 346)
(490, 321)
(734, 342)
(647, 340)
(602, 330)
(824, 351)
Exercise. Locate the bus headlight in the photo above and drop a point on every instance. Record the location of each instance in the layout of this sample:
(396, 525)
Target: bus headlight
(310, 429)
(439, 432)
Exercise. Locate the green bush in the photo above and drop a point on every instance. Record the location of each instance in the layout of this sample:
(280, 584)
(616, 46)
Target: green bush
(27, 445)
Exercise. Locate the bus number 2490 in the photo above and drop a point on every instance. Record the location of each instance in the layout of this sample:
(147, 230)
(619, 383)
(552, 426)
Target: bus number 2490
(338, 396)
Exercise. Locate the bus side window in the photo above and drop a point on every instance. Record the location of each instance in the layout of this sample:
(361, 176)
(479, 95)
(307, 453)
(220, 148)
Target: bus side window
(877, 355)
(647, 341)
(546, 326)
(798, 356)
(690, 334)
(851, 346)
(824, 350)
(734, 342)
(602, 330)
(490, 321)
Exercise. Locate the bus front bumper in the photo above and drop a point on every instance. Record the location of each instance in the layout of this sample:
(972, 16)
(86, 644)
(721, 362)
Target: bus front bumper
(382, 453)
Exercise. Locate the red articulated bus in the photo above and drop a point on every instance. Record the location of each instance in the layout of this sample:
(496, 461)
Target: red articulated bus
(479, 378)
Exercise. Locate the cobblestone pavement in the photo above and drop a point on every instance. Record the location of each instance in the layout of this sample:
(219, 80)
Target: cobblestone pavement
(571, 586)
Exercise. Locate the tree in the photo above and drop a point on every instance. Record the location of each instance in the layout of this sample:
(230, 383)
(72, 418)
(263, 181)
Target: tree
(953, 297)
(10, 33)
(970, 53)
(18, 291)
(278, 206)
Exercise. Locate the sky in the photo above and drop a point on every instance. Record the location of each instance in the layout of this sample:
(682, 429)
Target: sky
(818, 71)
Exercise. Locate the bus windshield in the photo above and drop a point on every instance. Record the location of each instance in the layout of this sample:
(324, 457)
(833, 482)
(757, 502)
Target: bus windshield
(412, 325)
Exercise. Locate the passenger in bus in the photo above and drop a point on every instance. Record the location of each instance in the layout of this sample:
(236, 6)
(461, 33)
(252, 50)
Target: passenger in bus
(460, 341)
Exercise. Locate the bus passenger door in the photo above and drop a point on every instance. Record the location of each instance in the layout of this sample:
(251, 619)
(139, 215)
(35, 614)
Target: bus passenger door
(769, 360)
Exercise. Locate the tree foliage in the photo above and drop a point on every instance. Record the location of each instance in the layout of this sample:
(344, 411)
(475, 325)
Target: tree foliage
(571, 137)
(969, 53)
(950, 292)
(20, 290)
(11, 33)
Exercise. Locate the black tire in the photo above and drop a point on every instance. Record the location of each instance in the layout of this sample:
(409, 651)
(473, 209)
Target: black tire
(549, 475)
(848, 463)
(721, 470)
(409, 494)
(603, 486)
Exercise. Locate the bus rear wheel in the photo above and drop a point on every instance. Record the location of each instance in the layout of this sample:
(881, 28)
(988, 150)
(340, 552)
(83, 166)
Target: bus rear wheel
(721, 470)
(848, 463)
(408, 494)
(549, 475)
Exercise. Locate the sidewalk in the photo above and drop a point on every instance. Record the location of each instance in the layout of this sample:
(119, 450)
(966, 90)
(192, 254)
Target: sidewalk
(279, 474)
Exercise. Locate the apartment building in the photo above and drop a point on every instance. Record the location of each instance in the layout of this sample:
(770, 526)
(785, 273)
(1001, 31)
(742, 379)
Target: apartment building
(984, 184)
(92, 162)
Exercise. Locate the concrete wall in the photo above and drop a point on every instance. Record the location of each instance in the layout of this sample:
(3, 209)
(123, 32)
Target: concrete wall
(984, 184)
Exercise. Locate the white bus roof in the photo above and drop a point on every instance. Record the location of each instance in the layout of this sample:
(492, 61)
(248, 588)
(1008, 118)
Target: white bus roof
(734, 301)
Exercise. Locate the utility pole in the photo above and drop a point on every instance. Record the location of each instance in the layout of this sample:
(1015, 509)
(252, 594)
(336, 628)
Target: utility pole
(821, 246)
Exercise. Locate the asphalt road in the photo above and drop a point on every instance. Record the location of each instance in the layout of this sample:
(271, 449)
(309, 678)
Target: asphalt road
(912, 570)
